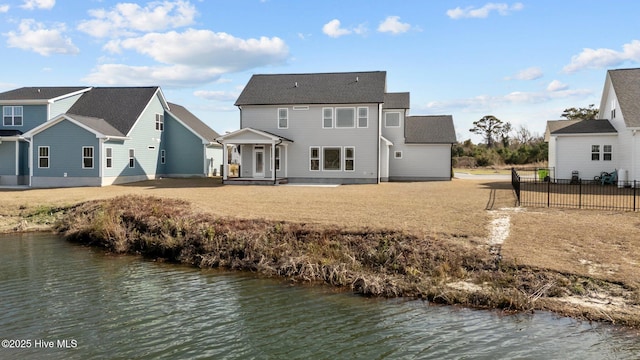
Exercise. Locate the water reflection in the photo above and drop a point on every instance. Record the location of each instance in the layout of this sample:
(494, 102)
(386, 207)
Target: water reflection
(122, 307)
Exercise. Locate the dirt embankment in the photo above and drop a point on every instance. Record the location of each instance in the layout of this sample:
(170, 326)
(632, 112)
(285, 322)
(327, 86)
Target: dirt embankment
(372, 262)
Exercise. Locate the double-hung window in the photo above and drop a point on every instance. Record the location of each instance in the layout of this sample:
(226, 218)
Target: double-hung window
(327, 118)
(43, 157)
(314, 158)
(159, 122)
(277, 158)
(163, 156)
(12, 116)
(606, 152)
(363, 117)
(87, 157)
(595, 152)
(349, 158)
(108, 154)
(345, 117)
(132, 158)
(283, 118)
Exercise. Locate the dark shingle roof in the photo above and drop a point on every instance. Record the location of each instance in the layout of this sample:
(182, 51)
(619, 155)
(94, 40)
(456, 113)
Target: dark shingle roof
(554, 125)
(587, 127)
(97, 124)
(10, 132)
(193, 122)
(396, 101)
(434, 129)
(626, 83)
(120, 107)
(319, 88)
(39, 93)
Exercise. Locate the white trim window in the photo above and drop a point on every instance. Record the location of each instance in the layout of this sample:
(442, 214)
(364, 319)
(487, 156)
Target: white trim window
(132, 158)
(349, 158)
(363, 117)
(607, 151)
(595, 152)
(12, 115)
(163, 156)
(331, 158)
(87, 157)
(392, 119)
(43, 157)
(159, 122)
(108, 157)
(283, 118)
(345, 117)
(327, 118)
(314, 158)
(397, 154)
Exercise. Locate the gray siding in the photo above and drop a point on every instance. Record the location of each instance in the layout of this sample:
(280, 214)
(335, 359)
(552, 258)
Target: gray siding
(65, 141)
(305, 128)
(7, 158)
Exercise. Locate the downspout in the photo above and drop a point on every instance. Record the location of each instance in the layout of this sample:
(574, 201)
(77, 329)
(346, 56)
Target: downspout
(378, 142)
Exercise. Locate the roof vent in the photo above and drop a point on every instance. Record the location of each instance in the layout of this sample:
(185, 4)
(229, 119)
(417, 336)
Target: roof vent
(357, 79)
(296, 84)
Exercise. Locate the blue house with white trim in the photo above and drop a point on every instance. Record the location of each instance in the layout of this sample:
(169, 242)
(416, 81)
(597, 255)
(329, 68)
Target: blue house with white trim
(98, 136)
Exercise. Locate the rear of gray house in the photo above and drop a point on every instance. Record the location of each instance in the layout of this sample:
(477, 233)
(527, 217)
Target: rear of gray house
(341, 128)
(97, 136)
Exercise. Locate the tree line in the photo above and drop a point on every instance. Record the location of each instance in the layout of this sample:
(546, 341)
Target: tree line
(504, 145)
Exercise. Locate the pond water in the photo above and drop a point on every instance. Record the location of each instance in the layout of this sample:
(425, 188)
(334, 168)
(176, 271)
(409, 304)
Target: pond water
(63, 301)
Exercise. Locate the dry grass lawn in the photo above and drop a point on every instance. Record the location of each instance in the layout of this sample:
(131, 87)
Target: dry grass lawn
(599, 244)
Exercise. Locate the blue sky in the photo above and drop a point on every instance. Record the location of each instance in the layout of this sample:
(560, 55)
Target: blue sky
(523, 62)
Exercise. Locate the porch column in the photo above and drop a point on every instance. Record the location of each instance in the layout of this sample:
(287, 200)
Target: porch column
(273, 160)
(225, 161)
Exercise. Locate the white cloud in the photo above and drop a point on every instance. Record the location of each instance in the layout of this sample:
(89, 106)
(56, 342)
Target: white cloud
(393, 25)
(333, 29)
(38, 4)
(603, 58)
(35, 37)
(216, 95)
(189, 57)
(128, 18)
(556, 85)
(207, 49)
(4, 8)
(483, 12)
(531, 73)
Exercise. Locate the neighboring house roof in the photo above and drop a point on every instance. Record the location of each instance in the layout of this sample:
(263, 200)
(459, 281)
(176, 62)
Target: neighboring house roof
(318, 88)
(39, 93)
(120, 107)
(396, 101)
(587, 127)
(192, 122)
(433, 129)
(626, 83)
(260, 133)
(8, 133)
(554, 125)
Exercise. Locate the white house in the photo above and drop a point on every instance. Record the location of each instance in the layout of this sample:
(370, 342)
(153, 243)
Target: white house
(341, 128)
(606, 144)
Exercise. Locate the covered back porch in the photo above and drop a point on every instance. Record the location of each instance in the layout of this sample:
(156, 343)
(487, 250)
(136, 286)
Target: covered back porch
(263, 157)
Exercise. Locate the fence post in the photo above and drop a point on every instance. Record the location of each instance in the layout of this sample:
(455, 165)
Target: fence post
(579, 194)
(634, 194)
(548, 193)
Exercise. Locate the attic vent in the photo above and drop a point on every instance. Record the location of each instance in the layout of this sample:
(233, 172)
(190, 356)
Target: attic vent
(296, 84)
(357, 79)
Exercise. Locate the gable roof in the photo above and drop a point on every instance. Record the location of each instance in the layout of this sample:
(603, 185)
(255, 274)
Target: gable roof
(586, 127)
(626, 83)
(97, 126)
(40, 94)
(120, 107)
(396, 101)
(317, 88)
(191, 121)
(433, 129)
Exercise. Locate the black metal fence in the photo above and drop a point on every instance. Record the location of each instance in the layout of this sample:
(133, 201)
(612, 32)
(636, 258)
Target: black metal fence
(539, 188)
